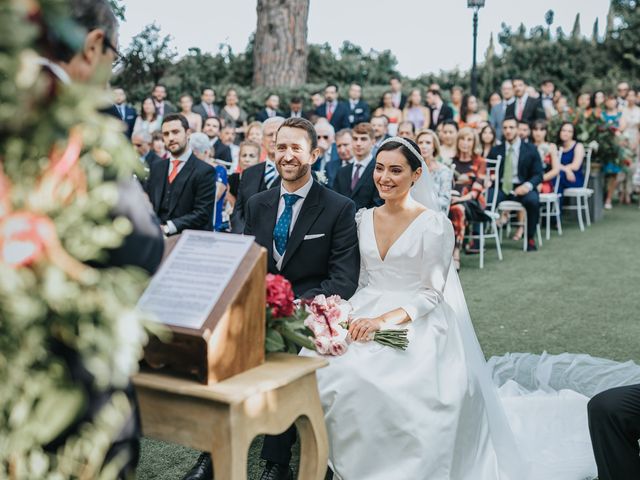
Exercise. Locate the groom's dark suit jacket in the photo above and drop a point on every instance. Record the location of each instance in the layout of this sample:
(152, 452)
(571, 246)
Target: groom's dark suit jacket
(322, 254)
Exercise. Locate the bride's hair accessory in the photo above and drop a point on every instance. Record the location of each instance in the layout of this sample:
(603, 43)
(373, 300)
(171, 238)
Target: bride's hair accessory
(406, 143)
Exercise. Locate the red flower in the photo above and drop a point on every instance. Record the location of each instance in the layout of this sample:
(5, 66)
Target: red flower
(279, 296)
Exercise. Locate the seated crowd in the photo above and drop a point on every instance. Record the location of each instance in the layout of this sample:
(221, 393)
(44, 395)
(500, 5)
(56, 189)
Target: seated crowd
(455, 137)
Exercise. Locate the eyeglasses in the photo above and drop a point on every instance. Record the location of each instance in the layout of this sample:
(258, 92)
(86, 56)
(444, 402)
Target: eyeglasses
(323, 137)
(108, 44)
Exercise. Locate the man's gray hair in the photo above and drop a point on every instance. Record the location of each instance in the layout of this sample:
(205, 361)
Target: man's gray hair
(144, 135)
(275, 120)
(199, 142)
(323, 122)
(507, 82)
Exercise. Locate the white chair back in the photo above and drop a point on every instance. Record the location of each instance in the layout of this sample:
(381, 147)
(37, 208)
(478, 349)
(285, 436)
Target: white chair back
(556, 186)
(587, 168)
(493, 167)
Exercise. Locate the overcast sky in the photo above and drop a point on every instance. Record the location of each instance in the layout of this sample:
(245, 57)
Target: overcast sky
(425, 35)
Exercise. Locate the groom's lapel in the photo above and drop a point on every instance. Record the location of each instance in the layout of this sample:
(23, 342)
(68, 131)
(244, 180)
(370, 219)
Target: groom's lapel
(311, 209)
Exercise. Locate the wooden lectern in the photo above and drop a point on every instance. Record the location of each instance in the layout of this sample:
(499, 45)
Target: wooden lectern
(231, 340)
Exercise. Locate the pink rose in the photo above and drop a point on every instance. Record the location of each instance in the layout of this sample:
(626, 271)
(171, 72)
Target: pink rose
(338, 348)
(322, 345)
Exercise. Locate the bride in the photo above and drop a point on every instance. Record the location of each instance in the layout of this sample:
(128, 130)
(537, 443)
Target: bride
(430, 412)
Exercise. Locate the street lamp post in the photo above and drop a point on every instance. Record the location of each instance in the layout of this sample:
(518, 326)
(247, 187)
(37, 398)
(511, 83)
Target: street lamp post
(476, 5)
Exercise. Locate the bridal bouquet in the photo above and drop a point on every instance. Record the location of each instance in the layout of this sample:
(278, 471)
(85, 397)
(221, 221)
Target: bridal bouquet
(321, 324)
(329, 321)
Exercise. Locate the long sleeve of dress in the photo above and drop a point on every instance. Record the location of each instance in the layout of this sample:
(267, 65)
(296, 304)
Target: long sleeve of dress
(437, 251)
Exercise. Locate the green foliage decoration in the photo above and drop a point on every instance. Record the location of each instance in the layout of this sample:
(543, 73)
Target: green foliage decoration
(43, 302)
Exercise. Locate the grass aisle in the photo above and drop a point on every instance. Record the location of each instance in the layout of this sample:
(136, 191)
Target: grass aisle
(579, 293)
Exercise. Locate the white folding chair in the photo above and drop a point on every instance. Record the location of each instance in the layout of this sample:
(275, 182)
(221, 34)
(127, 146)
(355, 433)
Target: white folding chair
(493, 166)
(581, 195)
(550, 206)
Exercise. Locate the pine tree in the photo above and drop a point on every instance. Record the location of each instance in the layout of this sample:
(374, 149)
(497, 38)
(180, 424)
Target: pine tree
(575, 32)
(595, 36)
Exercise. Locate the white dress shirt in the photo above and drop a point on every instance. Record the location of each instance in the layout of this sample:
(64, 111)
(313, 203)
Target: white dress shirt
(301, 192)
(364, 164)
(183, 159)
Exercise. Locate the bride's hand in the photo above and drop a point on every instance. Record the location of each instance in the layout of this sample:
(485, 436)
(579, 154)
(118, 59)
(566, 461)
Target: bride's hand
(363, 329)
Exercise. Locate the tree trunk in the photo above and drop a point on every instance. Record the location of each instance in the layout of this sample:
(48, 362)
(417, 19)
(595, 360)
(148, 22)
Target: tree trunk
(280, 51)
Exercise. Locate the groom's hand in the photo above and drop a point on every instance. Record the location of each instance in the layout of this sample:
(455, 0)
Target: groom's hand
(363, 329)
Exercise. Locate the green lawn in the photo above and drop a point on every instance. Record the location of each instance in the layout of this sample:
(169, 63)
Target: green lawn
(579, 293)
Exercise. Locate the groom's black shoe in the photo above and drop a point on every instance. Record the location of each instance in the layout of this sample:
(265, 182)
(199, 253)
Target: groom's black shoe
(276, 471)
(202, 470)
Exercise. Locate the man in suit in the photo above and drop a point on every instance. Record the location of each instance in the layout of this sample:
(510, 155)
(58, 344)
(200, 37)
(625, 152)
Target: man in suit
(163, 106)
(380, 125)
(524, 108)
(87, 61)
(499, 111)
(271, 108)
(547, 90)
(355, 180)
(519, 176)
(359, 110)
(398, 98)
(206, 108)
(326, 144)
(296, 109)
(211, 128)
(311, 238)
(614, 425)
(440, 111)
(259, 177)
(333, 110)
(344, 144)
(182, 189)
(141, 141)
(125, 112)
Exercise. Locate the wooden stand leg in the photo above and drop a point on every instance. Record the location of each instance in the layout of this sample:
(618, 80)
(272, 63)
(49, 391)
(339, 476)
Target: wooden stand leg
(229, 451)
(314, 446)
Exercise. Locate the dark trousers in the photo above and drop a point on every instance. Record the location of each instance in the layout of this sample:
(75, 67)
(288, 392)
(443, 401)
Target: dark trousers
(530, 202)
(277, 448)
(614, 424)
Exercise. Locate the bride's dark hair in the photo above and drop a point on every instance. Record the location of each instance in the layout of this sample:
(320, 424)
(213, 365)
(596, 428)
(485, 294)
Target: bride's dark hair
(414, 162)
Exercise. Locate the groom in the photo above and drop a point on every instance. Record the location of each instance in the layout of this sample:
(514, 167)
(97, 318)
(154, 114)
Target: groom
(310, 234)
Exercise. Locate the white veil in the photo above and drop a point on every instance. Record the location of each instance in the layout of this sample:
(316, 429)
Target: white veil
(510, 461)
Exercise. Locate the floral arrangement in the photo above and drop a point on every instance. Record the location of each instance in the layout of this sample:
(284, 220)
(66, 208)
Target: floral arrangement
(321, 324)
(60, 161)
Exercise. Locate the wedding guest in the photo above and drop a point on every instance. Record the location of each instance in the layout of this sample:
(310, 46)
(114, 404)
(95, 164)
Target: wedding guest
(260, 177)
(406, 130)
(440, 112)
(163, 106)
(228, 138)
(622, 90)
(389, 110)
(547, 89)
(597, 102)
(524, 131)
(583, 102)
(468, 203)
(571, 175)
(499, 111)
(233, 115)
(194, 119)
(469, 114)
(398, 99)
(442, 175)
(326, 143)
(219, 150)
(355, 181)
(254, 132)
(494, 99)
(317, 100)
(206, 108)
(611, 116)
(358, 109)
(336, 112)
(157, 144)
(125, 112)
(271, 108)
(488, 140)
(562, 108)
(344, 147)
(181, 189)
(296, 109)
(519, 176)
(380, 125)
(249, 155)
(141, 141)
(630, 121)
(148, 120)
(524, 107)
(201, 147)
(548, 153)
(448, 136)
(457, 94)
(415, 112)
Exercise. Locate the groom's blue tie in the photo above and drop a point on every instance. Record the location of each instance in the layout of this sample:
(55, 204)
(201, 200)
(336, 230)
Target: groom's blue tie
(281, 232)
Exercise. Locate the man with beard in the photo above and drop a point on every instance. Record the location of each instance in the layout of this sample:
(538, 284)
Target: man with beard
(182, 189)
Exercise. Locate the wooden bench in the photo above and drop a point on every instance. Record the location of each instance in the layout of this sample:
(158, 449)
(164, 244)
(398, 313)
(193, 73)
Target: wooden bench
(224, 418)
